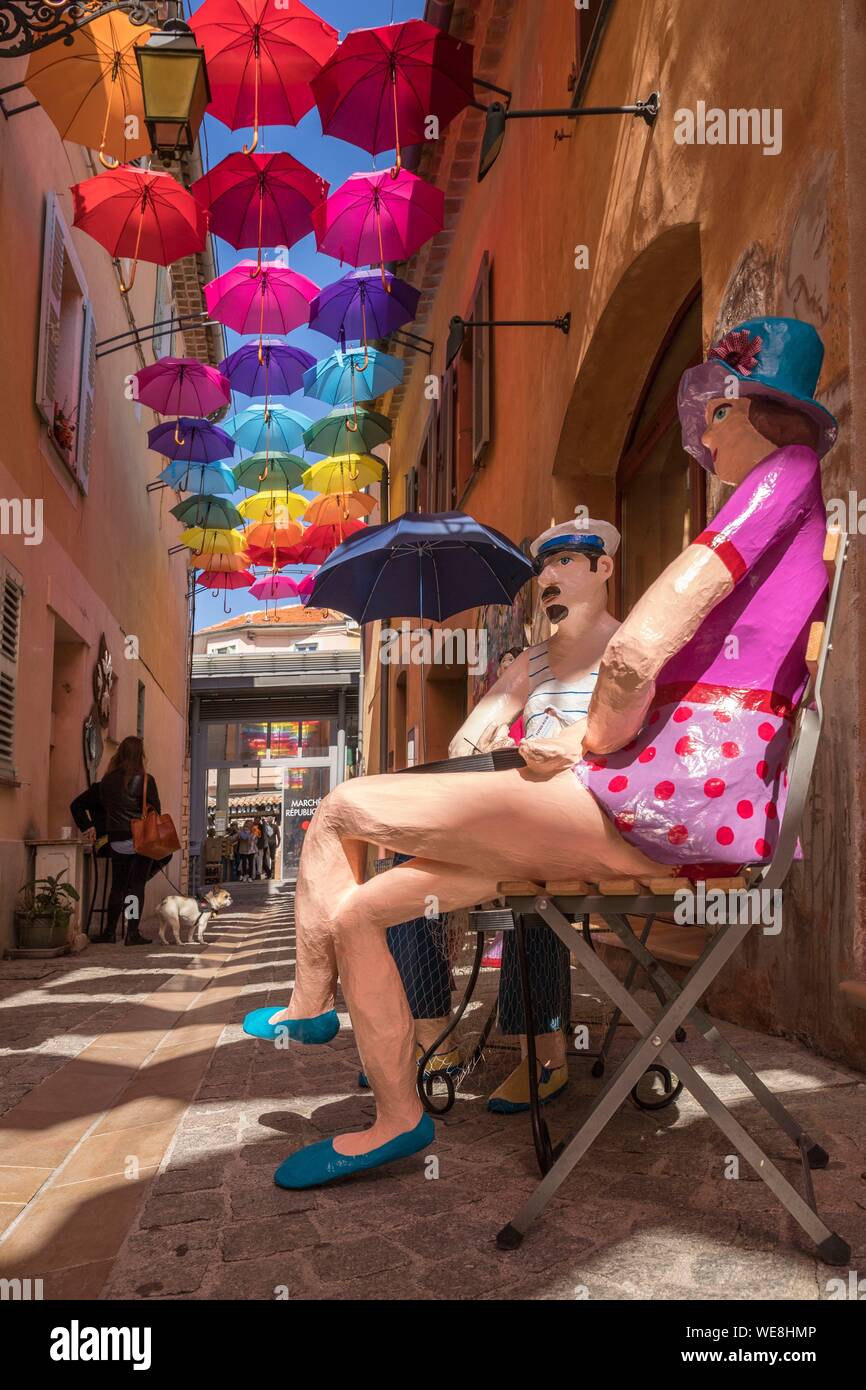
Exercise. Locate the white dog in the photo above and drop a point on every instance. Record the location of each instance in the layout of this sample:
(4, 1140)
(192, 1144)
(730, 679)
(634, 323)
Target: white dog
(174, 913)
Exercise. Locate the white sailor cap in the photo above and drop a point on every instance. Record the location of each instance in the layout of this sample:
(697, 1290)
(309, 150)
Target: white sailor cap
(583, 534)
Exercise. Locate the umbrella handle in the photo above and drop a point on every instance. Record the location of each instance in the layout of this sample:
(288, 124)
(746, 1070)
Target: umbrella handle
(106, 160)
(125, 288)
(364, 333)
(177, 438)
(385, 284)
(248, 149)
(398, 165)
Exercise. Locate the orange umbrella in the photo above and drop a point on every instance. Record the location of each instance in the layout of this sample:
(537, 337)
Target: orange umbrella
(91, 89)
(218, 564)
(339, 506)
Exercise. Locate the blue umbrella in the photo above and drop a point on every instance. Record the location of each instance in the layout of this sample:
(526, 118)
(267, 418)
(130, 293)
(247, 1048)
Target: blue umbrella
(358, 374)
(202, 441)
(278, 428)
(199, 477)
(423, 565)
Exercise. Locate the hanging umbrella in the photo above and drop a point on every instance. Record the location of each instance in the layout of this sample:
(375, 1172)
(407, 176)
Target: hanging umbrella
(214, 540)
(274, 586)
(382, 85)
(319, 541)
(179, 386)
(225, 564)
(276, 507)
(207, 510)
(428, 565)
(346, 431)
(373, 218)
(343, 473)
(285, 472)
(353, 375)
(202, 441)
(199, 477)
(305, 586)
(260, 59)
(260, 299)
(266, 534)
(279, 373)
(90, 87)
(359, 306)
(218, 581)
(255, 427)
(260, 199)
(335, 507)
(139, 214)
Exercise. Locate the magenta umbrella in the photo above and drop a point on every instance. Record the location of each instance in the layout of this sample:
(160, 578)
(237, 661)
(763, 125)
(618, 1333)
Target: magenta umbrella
(260, 199)
(274, 586)
(182, 386)
(381, 86)
(305, 587)
(266, 299)
(376, 218)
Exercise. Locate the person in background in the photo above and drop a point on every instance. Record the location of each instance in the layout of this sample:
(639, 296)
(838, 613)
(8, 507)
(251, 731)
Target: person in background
(269, 846)
(258, 848)
(212, 855)
(88, 813)
(230, 844)
(245, 851)
(274, 827)
(122, 790)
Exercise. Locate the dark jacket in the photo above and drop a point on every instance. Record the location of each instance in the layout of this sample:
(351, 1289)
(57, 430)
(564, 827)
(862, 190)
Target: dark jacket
(123, 804)
(88, 813)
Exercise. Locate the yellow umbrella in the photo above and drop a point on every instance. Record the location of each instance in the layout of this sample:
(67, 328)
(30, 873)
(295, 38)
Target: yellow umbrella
(214, 540)
(343, 473)
(339, 506)
(91, 88)
(218, 564)
(273, 506)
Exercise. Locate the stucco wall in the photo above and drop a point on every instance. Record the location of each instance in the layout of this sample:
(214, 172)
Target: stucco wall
(764, 233)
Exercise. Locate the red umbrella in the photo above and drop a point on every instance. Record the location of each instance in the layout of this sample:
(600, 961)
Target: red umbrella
(382, 85)
(260, 299)
(260, 199)
(182, 386)
(140, 214)
(261, 57)
(217, 580)
(319, 541)
(376, 218)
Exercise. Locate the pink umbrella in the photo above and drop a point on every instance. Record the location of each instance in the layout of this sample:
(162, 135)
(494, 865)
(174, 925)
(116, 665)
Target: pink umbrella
(382, 85)
(274, 586)
(260, 57)
(266, 299)
(305, 587)
(376, 218)
(182, 386)
(260, 199)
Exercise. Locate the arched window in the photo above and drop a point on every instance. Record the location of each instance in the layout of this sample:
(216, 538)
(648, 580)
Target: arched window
(660, 490)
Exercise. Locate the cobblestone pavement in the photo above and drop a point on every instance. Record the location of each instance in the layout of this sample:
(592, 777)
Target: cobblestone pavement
(141, 1131)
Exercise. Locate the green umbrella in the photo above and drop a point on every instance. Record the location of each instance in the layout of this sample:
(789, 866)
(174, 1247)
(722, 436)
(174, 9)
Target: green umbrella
(332, 435)
(270, 472)
(204, 509)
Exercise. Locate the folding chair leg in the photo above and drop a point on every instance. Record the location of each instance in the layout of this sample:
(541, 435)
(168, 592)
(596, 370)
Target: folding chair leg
(607, 1041)
(813, 1154)
(655, 1042)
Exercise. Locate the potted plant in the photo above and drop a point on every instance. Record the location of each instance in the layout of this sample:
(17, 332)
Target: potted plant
(45, 909)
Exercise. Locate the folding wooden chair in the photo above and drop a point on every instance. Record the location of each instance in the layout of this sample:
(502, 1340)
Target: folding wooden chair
(563, 905)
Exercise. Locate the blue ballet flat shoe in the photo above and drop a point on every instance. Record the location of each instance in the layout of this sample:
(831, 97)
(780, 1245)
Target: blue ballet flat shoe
(318, 1164)
(320, 1029)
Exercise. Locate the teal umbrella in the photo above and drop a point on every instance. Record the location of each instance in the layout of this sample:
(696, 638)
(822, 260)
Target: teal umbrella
(277, 427)
(206, 510)
(356, 374)
(334, 434)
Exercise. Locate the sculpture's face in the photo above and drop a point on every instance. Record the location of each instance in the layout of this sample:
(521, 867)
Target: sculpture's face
(567, 582)
(734, 443)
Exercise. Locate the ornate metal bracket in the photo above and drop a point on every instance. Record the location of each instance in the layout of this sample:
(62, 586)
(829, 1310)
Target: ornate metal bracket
(28, 25)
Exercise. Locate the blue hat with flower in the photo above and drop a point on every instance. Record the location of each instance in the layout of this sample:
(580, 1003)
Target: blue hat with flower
(774, 357)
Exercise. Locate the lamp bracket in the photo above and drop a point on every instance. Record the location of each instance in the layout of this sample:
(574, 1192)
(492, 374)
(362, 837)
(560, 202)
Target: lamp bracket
(26, 26)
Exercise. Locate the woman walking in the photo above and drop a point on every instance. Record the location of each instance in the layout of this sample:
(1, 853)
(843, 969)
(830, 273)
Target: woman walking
(123, 792)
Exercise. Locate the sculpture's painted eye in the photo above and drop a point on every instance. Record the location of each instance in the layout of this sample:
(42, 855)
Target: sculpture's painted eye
(720, 413)
(565, 559)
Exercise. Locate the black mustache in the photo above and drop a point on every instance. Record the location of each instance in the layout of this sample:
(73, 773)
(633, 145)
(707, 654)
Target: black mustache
(552, 591)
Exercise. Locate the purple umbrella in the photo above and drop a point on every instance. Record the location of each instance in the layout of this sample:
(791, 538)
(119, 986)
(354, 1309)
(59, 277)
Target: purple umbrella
(202, 441)
(360, 307)
(279, 373)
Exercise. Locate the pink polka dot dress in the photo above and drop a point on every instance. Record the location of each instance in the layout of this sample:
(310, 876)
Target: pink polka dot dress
(704, 782)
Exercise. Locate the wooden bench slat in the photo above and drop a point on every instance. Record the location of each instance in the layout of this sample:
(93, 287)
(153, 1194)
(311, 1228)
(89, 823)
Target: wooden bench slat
(519, 888)
(568, 888)
(666, 887)
(619, 887)
(832, 546)
(813, 648)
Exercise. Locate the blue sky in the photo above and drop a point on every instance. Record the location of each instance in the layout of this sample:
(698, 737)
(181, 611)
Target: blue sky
(335, 160)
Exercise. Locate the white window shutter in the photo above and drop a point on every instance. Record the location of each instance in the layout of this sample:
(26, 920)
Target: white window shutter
(53, 262)
(84, 421)
(10, 624)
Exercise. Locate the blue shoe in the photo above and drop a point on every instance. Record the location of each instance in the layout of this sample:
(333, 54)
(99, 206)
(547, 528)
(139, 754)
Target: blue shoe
(320, 1163)
(320, 1029)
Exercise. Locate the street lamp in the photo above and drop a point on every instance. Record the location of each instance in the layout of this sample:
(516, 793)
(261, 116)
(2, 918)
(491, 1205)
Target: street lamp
(458, 328)
(175, 88)
(498, 114)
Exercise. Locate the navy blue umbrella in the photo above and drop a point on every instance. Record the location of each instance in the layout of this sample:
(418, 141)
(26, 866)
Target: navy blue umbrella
(423, 565)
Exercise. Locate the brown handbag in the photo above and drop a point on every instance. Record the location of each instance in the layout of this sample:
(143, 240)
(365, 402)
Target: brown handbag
(154, 836)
